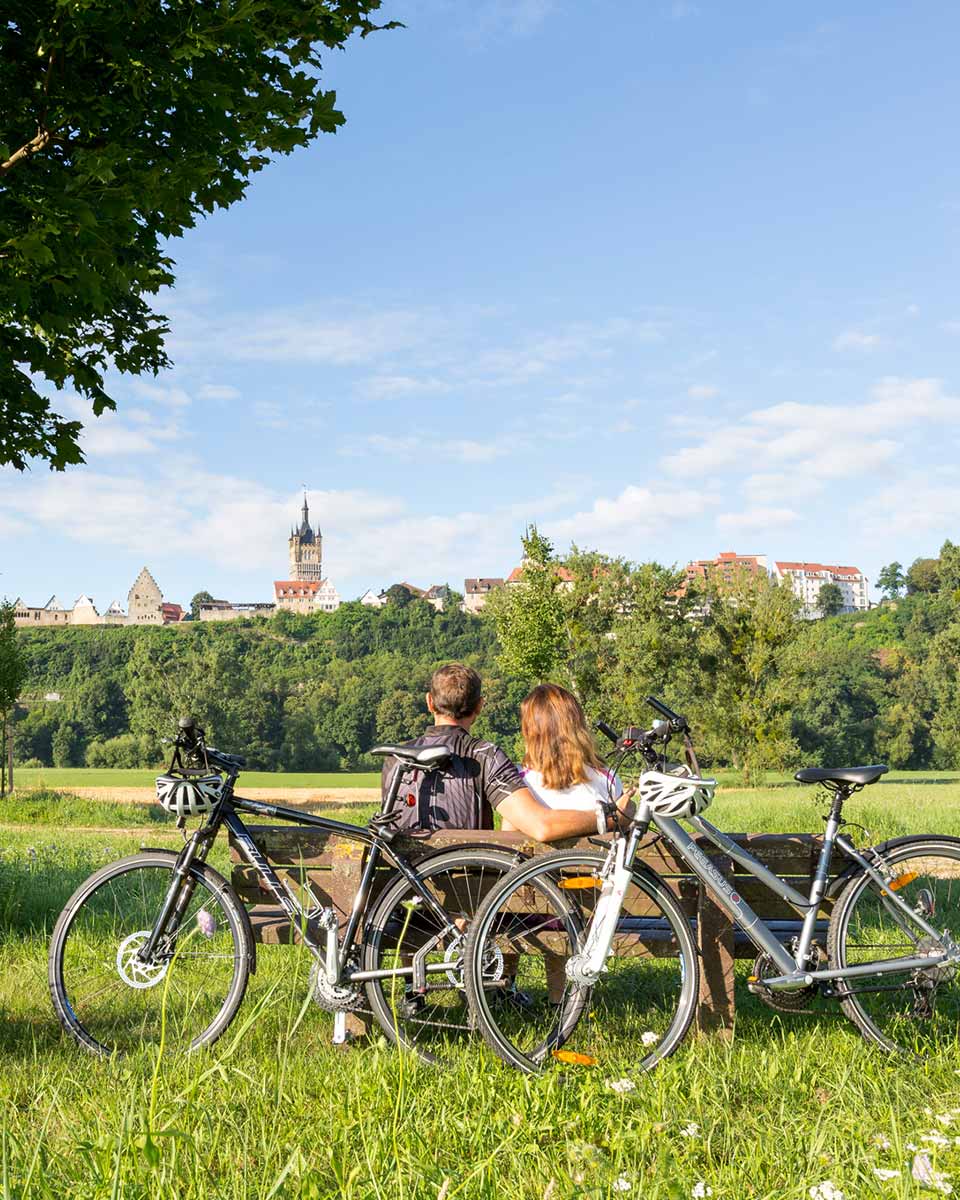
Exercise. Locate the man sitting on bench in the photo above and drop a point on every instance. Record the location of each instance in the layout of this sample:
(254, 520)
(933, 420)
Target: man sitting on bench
(479, 776)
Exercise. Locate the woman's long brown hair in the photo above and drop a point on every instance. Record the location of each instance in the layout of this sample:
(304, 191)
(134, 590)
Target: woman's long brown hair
(558, 741)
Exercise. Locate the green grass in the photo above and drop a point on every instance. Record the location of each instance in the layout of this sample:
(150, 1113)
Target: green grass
(67, 777)
(274, 1111)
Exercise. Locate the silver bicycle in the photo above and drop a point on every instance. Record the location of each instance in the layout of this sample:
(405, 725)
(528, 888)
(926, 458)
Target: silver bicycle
(606, 968)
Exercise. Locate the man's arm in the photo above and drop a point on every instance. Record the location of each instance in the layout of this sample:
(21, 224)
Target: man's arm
(526, 814)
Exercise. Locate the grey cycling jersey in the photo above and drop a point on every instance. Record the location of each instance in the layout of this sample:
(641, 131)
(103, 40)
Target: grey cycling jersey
(463, 795)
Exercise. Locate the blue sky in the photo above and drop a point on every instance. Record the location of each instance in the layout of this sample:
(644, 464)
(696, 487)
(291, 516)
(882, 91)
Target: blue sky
(665, 278)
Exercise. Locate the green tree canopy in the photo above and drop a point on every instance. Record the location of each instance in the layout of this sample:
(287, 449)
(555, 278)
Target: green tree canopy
(830, 601)
(529, 614)
(120, 125)
(13, 673)
(924, 576)
(891, 580)
(199, 598)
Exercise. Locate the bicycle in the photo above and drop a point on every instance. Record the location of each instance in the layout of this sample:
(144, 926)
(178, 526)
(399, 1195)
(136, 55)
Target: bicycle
(158, 948)
(606, 959)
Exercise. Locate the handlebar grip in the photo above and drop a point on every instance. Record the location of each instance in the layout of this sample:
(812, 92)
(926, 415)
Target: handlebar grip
(662, 709)
(607, 731)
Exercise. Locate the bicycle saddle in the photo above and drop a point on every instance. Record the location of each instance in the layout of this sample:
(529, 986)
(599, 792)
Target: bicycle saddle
(428, 758)
(857, 775)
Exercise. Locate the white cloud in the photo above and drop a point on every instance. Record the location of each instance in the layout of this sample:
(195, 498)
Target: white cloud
(913, 505)
(754, 519)
(218, 391)
(856, 339)
(465, 450)
(950, 326)
(811, 443)
(380, 387)
(702, 391)
(635, 511)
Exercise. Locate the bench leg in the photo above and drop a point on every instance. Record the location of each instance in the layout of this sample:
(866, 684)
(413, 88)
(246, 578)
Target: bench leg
(716, 1008)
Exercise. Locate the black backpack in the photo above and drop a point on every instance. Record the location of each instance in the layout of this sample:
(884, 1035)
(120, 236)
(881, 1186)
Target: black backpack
(448, 798)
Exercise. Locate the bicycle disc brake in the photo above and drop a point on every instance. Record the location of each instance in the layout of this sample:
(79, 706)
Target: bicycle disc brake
(133, 970)
(333, 997)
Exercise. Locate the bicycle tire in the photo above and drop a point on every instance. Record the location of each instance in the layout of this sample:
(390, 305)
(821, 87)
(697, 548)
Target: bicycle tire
(573, 924)
(913, 1016)
(96, 925)
(435, 1026)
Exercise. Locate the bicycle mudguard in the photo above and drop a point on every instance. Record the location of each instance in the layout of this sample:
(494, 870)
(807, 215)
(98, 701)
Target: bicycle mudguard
(854, 869)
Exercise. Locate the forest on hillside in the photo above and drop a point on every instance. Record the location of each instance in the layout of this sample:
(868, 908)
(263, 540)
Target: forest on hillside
(764, 688)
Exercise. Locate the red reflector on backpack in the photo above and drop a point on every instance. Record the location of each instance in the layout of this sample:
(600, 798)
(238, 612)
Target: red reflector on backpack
(411, 800)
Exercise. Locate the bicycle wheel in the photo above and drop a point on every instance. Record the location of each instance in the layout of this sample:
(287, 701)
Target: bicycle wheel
(636, 1013)
(107, 999)
(917, 1012)
(434, 1022)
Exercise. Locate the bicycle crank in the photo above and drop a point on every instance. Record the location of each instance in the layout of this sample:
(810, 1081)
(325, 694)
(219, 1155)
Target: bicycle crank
(793, 1001)
(333, 997)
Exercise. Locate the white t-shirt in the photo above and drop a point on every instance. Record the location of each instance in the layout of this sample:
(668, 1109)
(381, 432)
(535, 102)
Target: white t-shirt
(582, 796)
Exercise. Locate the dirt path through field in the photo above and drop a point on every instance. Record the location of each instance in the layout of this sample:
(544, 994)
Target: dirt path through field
(295, 797)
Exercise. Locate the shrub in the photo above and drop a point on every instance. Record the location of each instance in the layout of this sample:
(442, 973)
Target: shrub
(127, 750)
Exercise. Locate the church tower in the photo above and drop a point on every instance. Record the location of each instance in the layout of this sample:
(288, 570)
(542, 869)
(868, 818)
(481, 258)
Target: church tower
(306, 550)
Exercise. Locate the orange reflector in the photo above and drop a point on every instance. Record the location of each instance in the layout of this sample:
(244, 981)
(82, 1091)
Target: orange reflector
(902, 880)
(580, 881)
(571, 1056)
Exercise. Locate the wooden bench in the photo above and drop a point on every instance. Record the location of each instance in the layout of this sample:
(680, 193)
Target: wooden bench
(330, 866)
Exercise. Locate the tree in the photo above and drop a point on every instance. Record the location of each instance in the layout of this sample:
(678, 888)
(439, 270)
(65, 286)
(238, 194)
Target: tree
(923, 576)
(13, 673)
(891, 580)
(399, 595)
(529, 614)
(199, 598)
(830, 600)
(121, 125)
(746, 691)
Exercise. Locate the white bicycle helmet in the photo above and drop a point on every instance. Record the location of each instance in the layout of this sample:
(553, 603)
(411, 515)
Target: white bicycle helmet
(189, 797)
(675, 795)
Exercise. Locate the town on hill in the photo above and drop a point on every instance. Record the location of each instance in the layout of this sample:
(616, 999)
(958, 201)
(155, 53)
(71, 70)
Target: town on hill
(306, 590)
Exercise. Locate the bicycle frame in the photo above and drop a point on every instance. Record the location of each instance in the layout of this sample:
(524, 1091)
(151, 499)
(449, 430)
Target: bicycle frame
(228, 813)
(793, 967)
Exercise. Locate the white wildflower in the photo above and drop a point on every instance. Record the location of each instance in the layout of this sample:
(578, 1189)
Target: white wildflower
(825, 1191)
(690, 1130)
(622, 1184)
(886, 1173)
(911, 1146)
(649, 1038)
(935, 1139)
(946, 1118)
(881, 1140)
(621, 1085)
(700, 1190)
(924, 1174)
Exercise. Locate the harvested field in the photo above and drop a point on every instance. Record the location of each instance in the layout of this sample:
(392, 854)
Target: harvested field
(295, 797)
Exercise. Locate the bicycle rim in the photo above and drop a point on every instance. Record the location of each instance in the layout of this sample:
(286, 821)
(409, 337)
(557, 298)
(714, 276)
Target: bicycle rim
(631, 1017)
(109, 1000)
(916, 1012)
(434, 1022)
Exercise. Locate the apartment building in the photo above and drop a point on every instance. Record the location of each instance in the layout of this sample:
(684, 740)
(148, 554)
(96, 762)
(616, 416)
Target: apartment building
(808, 578)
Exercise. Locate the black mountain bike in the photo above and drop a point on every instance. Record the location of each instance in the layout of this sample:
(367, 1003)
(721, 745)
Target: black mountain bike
(158, 948)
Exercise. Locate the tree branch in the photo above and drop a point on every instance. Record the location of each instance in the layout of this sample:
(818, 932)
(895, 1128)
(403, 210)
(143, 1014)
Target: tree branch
(43, 139)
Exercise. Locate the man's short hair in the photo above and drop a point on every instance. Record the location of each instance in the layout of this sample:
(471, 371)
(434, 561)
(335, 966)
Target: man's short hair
(455, 690)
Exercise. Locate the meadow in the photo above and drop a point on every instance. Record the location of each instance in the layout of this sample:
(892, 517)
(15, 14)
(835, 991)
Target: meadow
(274, 1110)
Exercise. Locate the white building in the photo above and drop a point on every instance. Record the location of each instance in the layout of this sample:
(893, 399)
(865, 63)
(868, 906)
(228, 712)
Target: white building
(807, 579)
(373, 599)
(327, 598)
